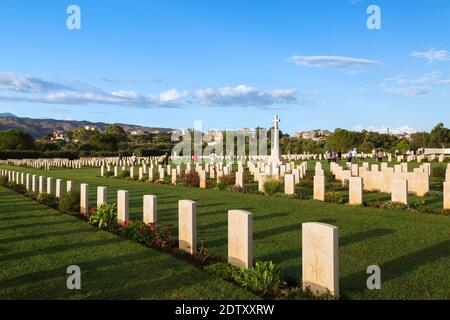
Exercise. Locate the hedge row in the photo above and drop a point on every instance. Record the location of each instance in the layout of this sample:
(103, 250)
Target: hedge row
(32, 154)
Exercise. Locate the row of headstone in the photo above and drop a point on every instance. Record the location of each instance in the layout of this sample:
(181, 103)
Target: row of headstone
(388, 178)
(394, 182)
(37, 184)
(260, 172)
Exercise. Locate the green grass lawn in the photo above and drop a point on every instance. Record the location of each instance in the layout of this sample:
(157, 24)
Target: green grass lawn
(412, 249)
(37, 244)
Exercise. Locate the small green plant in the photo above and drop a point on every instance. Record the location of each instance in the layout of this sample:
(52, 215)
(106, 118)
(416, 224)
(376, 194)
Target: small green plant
(235, 189)
(434, 194)
(105, 216)
(32, 195)
(334, 197)
(417, 202)
(438, 171)
(306, 183)
(20, 188)
(202, 253)
(191, 180)
(263, 278)
(221, 270)
(394, 205)
(4, 181)
(109, 174)
(47, 199)
(161, 235)
(272, 186)
(136, 231)
(70, 202)
(226, 181)
(124, 174)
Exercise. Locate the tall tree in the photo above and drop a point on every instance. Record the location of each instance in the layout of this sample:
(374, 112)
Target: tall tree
(440, 136)
(15, 140)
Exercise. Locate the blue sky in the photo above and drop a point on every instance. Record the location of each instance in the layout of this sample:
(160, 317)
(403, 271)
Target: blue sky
(230, 64)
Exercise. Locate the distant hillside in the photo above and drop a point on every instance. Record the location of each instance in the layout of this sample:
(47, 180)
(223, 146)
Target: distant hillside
(41, 127)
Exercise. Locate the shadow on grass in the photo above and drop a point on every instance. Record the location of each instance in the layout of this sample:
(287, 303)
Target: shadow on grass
(364, 235)
(28, 216)
(35, 225)
(47, 235)
(400, 266)
(55, 249)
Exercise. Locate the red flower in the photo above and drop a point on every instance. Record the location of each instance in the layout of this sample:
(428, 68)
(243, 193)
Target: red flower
(126, 223)
(93, 209)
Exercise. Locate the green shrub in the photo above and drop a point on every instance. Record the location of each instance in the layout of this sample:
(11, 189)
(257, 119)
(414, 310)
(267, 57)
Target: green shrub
(32, 195)
(20, 188)
(124, 174)
(136, 231)
(263, 278)
(202, 253)
(4, 181)
(306, 183)
(109, 174)
(235, 189)
(221, 270)
(152, 235)
(272, 186)
(394, 205)
(330, 177)
(70, 202)
(191, 179)
(226, 181)
(47, 199)
(438, 171)
(334, 197)
(105, 216)
(417, 202)
(160, 236)
(434, 194)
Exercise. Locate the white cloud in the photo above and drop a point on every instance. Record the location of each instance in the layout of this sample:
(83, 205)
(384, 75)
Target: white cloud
(120, 98)
(125, 94)
(10, 81)
(244, 96)
(408, 91)
(332, 62)
(399, 79)
(172, 95)
(432, 55)
(33, 90)
(444, 81)
(428, 77)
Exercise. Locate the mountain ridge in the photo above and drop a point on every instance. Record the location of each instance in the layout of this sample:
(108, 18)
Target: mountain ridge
(41, 127)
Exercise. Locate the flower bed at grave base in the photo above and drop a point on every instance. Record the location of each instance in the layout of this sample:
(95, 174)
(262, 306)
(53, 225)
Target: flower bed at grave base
(262, 279)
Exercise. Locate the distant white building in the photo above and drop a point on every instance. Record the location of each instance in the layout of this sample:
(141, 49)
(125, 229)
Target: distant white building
(59, 135)
(90, 128)
(313, 134)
